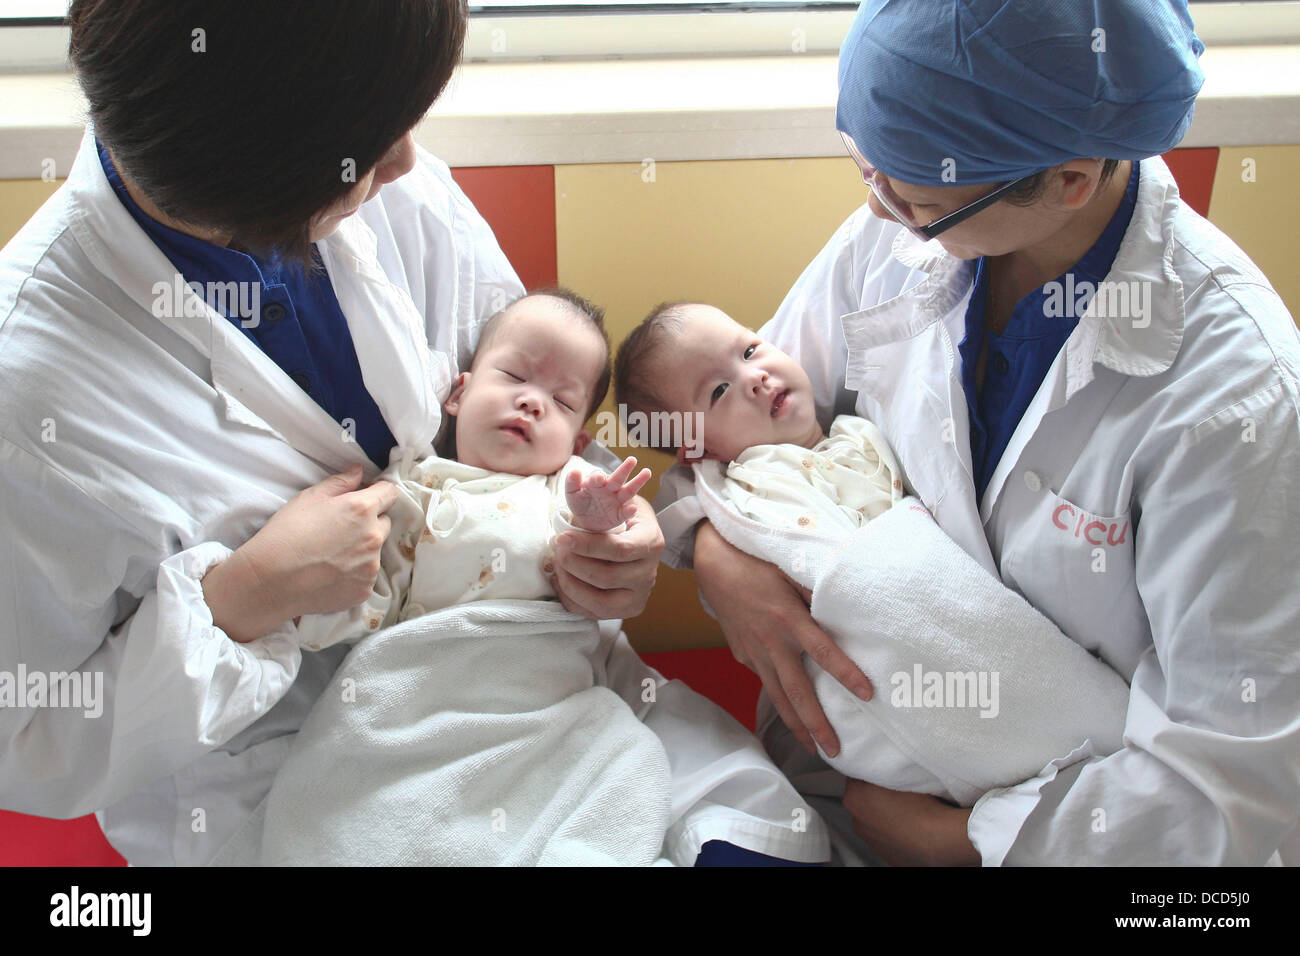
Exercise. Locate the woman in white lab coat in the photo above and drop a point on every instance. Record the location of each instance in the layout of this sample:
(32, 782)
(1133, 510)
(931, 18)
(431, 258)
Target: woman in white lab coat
(1129, 461)
(184, 464)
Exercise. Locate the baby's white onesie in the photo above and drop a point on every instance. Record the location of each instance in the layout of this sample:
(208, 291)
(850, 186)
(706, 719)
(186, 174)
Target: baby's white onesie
(459, 534)
(833, 488)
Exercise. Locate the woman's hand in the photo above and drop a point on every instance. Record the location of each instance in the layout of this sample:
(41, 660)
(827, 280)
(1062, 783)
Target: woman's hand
(909, 829)
(602, 576)
(317, 554)
(767, 624)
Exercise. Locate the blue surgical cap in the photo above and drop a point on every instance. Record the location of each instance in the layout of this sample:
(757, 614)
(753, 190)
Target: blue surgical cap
(944, 92)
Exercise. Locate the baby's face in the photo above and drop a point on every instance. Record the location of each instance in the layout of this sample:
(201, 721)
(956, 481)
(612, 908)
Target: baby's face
(521, 408)
(748, 391)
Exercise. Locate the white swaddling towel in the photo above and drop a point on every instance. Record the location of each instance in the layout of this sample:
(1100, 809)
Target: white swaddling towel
(974, 688)
(476, 735)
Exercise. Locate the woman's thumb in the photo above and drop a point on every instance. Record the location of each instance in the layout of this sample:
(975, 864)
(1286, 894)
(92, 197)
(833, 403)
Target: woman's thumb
(347, 480)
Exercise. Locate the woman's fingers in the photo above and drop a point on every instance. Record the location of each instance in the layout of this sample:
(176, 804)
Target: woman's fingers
(564, 592)
(762, 610)
(634, 544)
(828, 656)
(380, 496)
(789, 716)
(803, 592)
(798, 690)
(605, 575)
(594, 603)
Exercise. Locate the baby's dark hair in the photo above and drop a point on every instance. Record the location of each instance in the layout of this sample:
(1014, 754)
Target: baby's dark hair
(581, 309)
(633, 372)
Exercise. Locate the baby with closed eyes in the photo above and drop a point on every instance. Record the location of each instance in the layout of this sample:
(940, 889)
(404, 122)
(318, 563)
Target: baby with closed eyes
(480, 525)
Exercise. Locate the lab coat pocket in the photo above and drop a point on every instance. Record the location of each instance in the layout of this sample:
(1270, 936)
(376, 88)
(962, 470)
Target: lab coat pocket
(1077, 567)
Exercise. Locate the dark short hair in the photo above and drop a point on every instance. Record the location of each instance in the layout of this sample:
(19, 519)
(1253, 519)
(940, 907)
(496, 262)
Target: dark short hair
(633, 378)
(254, 134)
(579, 308)
(1031, 190)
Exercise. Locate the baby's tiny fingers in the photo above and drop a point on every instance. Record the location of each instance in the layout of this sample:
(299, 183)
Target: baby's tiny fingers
(635, 485)
(622, 471)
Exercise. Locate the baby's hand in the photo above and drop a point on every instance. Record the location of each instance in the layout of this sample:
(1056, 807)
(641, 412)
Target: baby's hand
(599, 503)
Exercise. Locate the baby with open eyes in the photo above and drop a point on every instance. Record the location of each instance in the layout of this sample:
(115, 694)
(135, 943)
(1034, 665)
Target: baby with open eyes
(895, 594)
(755, 414)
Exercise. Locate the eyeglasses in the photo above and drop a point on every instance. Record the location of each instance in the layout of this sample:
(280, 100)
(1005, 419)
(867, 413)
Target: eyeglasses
(895, 205)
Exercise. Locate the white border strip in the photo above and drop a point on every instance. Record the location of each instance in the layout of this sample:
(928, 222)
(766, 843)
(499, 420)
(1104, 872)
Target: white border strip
(588, 111)
(753, 32)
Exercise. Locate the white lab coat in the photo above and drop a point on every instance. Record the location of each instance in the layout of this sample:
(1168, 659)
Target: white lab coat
(1147, 503)
(136, 451)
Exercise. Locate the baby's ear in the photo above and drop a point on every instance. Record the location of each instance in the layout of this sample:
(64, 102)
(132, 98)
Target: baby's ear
(581, 442)
(452, 405)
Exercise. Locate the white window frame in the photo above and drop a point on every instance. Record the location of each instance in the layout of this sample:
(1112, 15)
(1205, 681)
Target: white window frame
(626, 35)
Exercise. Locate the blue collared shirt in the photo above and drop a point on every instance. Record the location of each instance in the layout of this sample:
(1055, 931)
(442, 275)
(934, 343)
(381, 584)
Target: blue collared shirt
(1019, 356)
(297, 321)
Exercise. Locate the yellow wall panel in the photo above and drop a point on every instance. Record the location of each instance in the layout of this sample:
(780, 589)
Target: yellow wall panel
(1258, 205)
(19, 198)
(735, 234)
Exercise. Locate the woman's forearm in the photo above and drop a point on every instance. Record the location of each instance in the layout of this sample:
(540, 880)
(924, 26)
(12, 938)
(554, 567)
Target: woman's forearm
(242, 604)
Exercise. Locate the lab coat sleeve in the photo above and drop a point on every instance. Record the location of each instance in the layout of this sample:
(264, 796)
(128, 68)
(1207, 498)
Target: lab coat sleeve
(162, 685)
(1210, 771)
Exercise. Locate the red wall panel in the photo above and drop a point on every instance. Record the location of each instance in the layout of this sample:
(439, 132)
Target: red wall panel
(518, 202)
(1193, 170)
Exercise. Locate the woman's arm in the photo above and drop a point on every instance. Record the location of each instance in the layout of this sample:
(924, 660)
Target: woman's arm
(169, 682)
(83, 594)
(316, 555)
(768, 627)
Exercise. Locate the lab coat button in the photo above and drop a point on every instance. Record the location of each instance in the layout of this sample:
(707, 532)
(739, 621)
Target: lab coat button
(274, 312)
(1033, 482)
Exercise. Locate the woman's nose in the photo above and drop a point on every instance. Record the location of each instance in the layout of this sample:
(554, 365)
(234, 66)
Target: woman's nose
(398, 161)
(878, 208)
